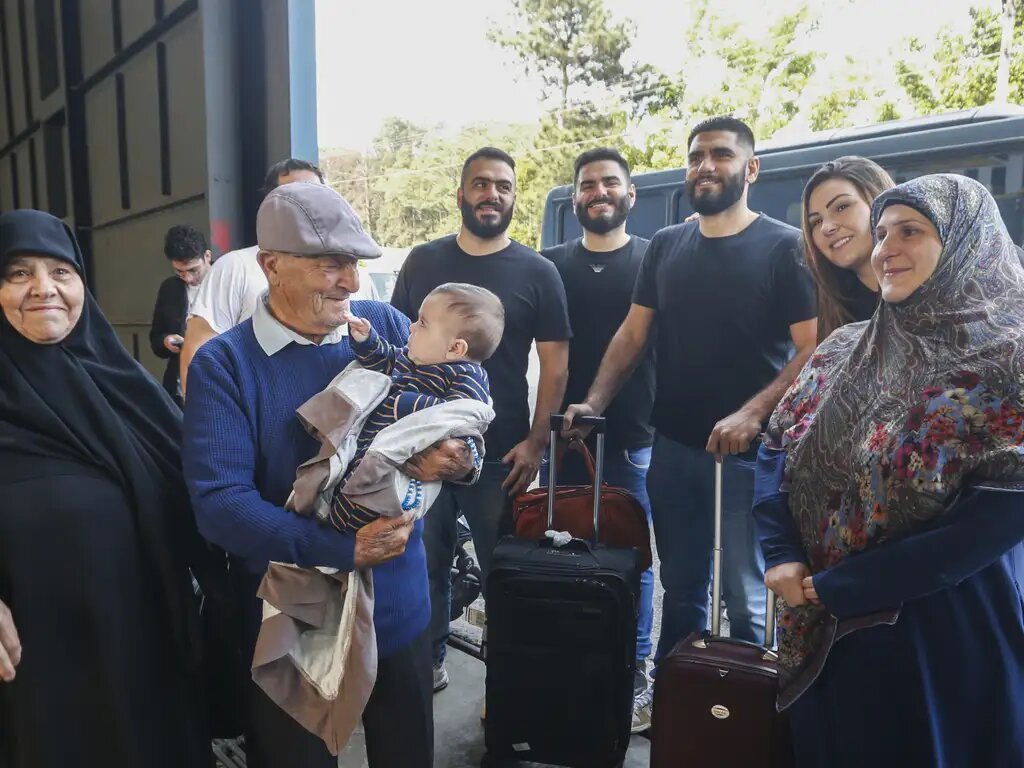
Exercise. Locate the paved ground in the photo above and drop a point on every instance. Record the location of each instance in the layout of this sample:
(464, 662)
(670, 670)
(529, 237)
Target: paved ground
(458, 733)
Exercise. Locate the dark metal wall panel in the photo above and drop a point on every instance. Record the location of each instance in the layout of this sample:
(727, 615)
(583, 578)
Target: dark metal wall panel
(125, 117)
(143, 132)
(46, 53)
(102, 158)
(21, 155)
(97, 33)
(186, 109)
(16, 81)
(137, 18)
(6, 186)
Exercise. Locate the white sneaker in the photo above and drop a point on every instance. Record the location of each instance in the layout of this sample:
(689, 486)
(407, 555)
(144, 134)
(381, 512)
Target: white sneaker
(642, 711)
(440, 677)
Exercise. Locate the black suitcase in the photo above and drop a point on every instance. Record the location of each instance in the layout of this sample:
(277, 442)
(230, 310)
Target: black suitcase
(561, 646)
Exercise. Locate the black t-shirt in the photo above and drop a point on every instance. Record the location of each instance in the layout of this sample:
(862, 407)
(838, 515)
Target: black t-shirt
(529, 287)
(724, 306)
(860, 300)
(599, 289)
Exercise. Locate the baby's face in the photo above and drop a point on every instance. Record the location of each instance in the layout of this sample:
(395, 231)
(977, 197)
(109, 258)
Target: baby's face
(432, 338)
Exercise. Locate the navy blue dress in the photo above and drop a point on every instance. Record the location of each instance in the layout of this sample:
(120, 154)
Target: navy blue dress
(943, 687)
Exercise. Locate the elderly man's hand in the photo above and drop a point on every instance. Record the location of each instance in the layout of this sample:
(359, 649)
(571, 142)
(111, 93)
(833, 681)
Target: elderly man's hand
(382, 540)
(10, 645)
(447, 460)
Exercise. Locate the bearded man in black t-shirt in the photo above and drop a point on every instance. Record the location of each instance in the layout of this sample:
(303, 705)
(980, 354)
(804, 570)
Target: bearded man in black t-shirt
(535, 311)
(736, 320)
(599, 270)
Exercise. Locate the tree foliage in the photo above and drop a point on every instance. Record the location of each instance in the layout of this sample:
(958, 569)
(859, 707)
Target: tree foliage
(597, 95)
(959, 71)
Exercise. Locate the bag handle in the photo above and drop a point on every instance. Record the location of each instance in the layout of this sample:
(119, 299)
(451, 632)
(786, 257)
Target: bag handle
(578, 446)
(557, 423)
(716, 580)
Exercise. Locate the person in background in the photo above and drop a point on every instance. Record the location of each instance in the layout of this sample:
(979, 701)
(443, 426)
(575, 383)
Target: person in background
(528, 285)
(889, 502)
(838, 241)
(599, 271)
(186, 249)
(735, 312)
(232, 291)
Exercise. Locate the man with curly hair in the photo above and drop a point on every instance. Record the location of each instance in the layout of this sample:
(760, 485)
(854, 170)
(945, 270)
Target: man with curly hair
(186, 249)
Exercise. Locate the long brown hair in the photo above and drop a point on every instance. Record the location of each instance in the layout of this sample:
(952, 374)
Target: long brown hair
(871, 180)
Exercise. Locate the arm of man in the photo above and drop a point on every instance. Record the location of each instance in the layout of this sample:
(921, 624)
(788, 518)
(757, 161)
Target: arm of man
(219, 452)
(625, 351)
(165, 321)
(734, 433)
(525, 456)
(218, 305)
(197, 333)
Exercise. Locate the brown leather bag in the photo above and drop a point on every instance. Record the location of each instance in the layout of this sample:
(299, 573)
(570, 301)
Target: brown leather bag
(622, 522)
(714, 696)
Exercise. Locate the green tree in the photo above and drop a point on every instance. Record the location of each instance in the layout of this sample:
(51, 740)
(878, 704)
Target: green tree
(571, 45)
(960, 71)
(764, 76)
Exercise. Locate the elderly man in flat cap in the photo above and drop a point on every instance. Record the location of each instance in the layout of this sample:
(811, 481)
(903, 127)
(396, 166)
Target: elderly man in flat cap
(242, 443)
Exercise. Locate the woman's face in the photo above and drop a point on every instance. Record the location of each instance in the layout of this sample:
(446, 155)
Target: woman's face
(42, 297)
(907, 251)
(840, 223)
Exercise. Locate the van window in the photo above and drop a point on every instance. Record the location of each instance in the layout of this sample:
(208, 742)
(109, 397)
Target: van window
(1001, 172)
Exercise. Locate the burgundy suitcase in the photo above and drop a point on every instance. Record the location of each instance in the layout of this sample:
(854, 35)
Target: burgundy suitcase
(714, 697)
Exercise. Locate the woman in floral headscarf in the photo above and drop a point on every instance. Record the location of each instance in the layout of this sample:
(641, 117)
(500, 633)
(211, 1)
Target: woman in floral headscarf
(890, 502)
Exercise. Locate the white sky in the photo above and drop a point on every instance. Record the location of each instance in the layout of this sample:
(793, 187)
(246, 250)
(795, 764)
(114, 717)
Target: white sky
(431, 62)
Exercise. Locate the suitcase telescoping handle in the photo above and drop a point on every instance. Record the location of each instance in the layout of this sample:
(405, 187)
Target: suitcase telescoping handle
(716, 581)
(557, 422)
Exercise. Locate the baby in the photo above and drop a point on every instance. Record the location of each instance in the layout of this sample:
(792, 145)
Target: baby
(459, 327)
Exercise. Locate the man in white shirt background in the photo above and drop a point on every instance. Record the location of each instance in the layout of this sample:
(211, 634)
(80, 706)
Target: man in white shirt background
(231, 289)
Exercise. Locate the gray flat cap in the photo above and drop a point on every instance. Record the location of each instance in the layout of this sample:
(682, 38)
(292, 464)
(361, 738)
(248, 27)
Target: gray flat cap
(312, 220)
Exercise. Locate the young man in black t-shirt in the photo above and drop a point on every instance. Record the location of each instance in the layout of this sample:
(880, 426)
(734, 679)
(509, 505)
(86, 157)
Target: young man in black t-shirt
(529, 287)
(599, 270)
(732, 300)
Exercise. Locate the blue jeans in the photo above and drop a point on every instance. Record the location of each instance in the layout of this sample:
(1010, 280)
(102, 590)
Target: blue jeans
(681, 484)
(627, 470)
(488, 510)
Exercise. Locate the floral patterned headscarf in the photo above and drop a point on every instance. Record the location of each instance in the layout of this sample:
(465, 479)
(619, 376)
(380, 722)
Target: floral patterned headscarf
(891, 419)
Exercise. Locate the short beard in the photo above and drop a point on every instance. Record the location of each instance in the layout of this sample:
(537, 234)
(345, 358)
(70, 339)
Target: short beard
(712, 205)
(602, 225)
(481, 230)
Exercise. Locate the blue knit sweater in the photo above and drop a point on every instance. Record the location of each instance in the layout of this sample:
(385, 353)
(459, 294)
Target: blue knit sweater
(242, 443)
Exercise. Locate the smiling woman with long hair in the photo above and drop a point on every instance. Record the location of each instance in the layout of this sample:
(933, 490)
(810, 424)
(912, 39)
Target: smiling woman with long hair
(836, 224)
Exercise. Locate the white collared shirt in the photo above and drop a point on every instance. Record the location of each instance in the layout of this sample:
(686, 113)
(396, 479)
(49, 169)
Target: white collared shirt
(273, 336)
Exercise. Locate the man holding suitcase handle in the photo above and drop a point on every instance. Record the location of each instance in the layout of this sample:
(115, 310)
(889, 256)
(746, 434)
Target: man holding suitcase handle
(732, 300)
(598, 271)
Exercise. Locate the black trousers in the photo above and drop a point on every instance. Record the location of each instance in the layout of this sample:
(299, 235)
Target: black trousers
(398, 720)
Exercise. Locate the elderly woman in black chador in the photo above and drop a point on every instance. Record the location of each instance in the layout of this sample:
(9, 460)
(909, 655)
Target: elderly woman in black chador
(98, 652)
